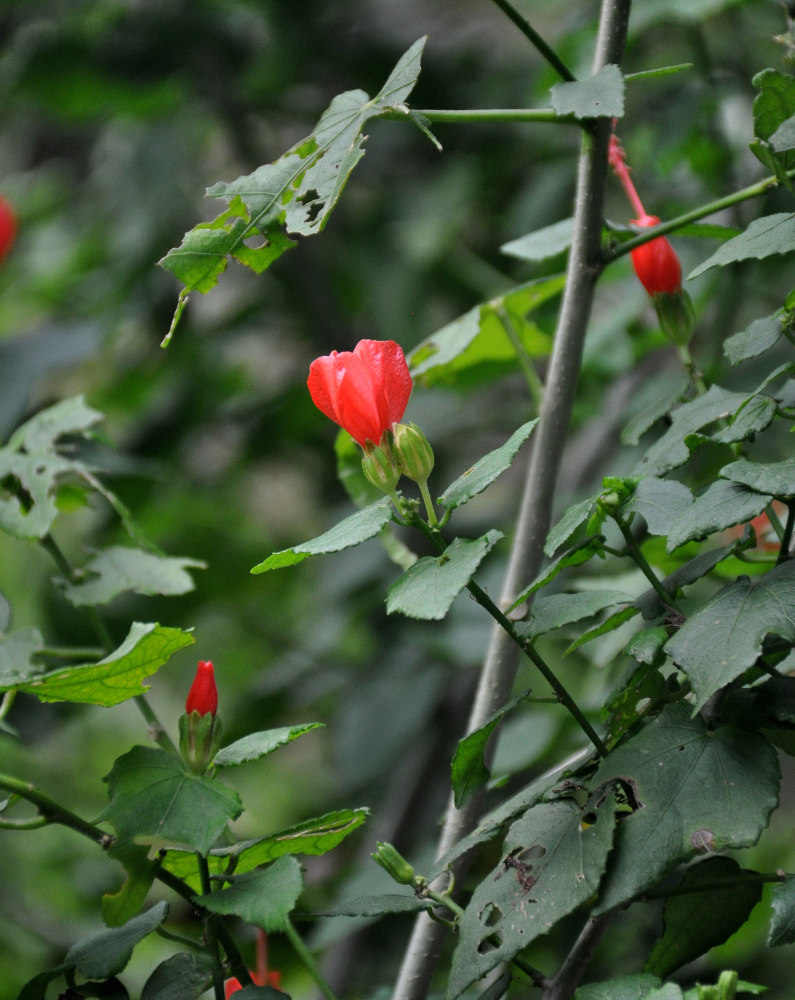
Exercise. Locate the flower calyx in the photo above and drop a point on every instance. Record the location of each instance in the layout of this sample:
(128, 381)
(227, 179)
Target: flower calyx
(200, 727)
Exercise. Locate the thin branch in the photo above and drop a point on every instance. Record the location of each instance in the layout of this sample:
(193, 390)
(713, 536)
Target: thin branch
(470, 116)
(571, 972)
(530, 32)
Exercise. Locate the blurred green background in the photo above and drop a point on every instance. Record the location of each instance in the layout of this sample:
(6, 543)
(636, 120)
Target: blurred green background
(116, 115)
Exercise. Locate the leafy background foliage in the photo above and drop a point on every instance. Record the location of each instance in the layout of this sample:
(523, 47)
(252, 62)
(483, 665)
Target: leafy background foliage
(117, 116)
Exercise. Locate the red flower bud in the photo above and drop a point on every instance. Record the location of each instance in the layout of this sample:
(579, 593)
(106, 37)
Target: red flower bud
(656, 263)
(365, 391)
(203, 694)
(8, 227)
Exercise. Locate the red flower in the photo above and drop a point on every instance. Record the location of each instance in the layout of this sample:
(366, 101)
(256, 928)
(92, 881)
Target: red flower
(365, 391)
(8, 227)
(273, 979)
(203, 694)
(656, 263)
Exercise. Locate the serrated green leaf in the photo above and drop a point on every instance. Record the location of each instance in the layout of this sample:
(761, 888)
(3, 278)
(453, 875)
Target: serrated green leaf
(610, 624)
(354, 530)
(548, 613)
(121, 906)
(264, 897)
(184, 976)
(485, 470)
(476, 344)
(114, 679)
(257, 745)
(783, 138)
(313, 836)
(649, 603)
(104, 954)
(576, 515)
(724, 637)
(775, 102)
(575, 556)
(638, 987)
(428, 588)
(374, 906)
(782, 921)
(553, 866)
(600, 96)
(670, 450)
(43, 431)
(772, 234)
(688, 780)
(16, 656)
(705, 917)
(153, 800)
(541, 244)
(722, 505)
(118, 569)
(645, 647)
(660, 502)
(469, 770)
(759, 337)
(295, 194)
(774, 478)
(671, 391)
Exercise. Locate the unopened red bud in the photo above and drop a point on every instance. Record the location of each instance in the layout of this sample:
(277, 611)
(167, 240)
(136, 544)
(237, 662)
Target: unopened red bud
(656, 263)
(203, 694)
(8, 227)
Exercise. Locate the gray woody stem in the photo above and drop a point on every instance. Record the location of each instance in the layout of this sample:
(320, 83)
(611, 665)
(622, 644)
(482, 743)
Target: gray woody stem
(499, 668)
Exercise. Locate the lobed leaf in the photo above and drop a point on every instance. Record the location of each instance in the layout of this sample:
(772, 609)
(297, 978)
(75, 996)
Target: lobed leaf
(774, 478)
(552, 864)
(154, 800)
(557, 610)
(264, 897)
(688, 781)
(119, 569)
(722, 505)
(600, 96)
(485, 470)
(428, 588)
(359, 527)
(724, 637)
(660, 502)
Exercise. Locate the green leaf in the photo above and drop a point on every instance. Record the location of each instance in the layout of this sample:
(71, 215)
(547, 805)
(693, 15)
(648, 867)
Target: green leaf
(774, 478)
(153, 800)
(764, 237)
(576, 515)
(118, 569)
(296, 193)
(184, 976)
(670, 450)
(428, 588)
(485, 470)
(667, 395)
(476, 345)
(660, 502)
(783, 139)
(724, 638)
(257, 745)
(551, 866)
(119, 907)
(600, 96)
(354, 530)
(705, 917)
(649, 603)
(645, 647)
(687, 780)
(578, 554)
(775, 102)
(782, 921)
(114, 679)
(543, 243)
(548, 613)
(638, 987)
(313, 836)
(350, 473)
(722, 505)
(759, 337)
(104, 954)
(16, 656)
(264, 897)
(469, 771)
(374, 906)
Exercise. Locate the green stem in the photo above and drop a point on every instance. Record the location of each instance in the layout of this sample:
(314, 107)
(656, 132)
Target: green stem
(642, 563)
(155, 727)
(533, 381)
(444, 900)
(308, 961)
(690, 367)
(210, 930)
(182, 939)
(428, 501)
(7, 702)
(530, 32)
(476, 116)
(752, 191)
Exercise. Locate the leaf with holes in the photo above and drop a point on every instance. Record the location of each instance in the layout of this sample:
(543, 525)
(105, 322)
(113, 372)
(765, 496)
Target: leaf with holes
(293, 195)
(697, 790)
(725, 636)
(552, 864)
